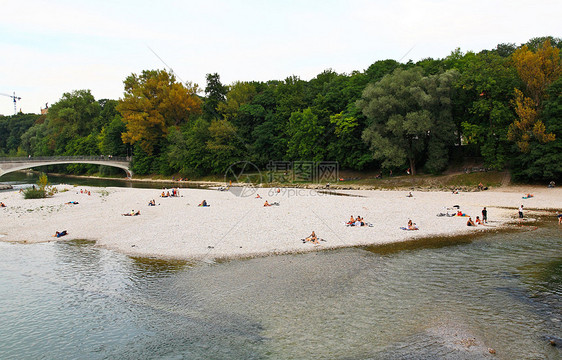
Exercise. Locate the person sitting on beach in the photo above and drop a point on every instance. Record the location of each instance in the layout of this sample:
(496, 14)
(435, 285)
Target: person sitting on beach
(59, 234)
(551, 184)
(480, 186)
(266, 203)
(559, 218)
(2, 204)
(351, 220)
(203, 203)
(478, 221)
(470, 222)
(359, 221)
(411, 225)
(312, 238)
(410, 194)
(163, 194)
(152, 203)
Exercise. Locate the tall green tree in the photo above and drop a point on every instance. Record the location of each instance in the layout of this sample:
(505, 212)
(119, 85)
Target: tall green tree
(215, 94)
(409, 119)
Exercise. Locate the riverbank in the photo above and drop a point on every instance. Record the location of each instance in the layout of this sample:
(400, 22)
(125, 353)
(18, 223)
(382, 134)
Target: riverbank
(238, 225)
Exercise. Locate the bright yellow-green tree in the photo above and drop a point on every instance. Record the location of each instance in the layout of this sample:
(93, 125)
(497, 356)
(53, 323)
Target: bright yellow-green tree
(153, 102)
(537, 70)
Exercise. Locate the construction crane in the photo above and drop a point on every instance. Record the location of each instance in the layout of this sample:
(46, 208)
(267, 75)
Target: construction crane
(16, 98)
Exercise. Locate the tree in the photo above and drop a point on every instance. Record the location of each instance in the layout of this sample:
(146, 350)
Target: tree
(537, 70)
(543, 161)
(153, 102)
(215, 94)
(481, 106)
(409, 118)
(305, 137)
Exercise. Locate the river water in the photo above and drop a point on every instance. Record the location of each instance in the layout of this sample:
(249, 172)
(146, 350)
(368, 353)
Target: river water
(433, 300)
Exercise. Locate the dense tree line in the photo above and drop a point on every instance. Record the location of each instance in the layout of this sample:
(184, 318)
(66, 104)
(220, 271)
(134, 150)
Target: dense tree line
(504, 105)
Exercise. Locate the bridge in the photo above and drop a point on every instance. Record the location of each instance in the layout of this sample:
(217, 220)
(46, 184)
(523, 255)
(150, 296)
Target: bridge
(11, 164)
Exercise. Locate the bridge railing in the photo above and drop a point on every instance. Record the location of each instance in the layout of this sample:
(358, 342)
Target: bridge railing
(66, 158)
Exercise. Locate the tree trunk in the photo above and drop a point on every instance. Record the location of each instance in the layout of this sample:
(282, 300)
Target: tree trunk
(412, 166)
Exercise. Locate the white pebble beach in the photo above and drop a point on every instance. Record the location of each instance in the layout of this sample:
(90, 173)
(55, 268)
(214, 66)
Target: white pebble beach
(240, 226)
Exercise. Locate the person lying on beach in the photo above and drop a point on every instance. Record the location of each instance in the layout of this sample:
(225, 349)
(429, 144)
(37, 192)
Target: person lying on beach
(470, 222)
(59, 234)
(132, 213)
(529, 196)
(411, 225)
(72, 203)
(455, 191)
(2, 204)
(258, 196)
(204, 203)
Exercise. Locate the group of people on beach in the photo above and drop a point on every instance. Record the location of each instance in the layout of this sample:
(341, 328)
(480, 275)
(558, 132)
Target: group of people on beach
(152, 203)
(478, 221)
(87, 192)
(175, 193)
(358, 221)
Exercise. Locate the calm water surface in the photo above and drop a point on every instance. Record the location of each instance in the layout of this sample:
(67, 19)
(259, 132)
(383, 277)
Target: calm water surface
(71, 300)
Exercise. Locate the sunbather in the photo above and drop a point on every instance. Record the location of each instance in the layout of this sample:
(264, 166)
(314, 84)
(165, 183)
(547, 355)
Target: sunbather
(411, 225)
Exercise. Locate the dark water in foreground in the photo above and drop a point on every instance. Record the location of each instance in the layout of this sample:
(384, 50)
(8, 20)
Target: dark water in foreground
(71, 300)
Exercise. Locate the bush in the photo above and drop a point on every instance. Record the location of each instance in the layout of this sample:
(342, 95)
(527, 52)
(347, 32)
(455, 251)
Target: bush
(42, 191)
(34, 193)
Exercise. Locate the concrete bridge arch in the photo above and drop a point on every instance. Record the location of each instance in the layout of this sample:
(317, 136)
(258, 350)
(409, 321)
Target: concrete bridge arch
(8, 165)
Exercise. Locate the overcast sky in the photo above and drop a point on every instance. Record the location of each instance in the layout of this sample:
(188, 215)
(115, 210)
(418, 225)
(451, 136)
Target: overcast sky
(51, 47)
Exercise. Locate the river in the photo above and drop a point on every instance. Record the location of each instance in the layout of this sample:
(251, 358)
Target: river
(435, 300)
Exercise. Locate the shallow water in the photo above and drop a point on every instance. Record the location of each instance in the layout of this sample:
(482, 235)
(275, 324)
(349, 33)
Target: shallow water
(72, 300)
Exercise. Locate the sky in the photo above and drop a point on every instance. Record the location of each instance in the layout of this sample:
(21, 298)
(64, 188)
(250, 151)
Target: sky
(48, 48)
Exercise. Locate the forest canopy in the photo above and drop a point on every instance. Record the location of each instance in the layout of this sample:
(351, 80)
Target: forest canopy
(503, 106)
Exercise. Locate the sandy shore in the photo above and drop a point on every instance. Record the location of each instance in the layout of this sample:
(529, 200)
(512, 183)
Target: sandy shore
(240, 226)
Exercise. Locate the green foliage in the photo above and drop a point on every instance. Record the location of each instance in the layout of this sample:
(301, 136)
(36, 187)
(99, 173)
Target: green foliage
(306, 140)
(409, 118)
(215, 95)
(42, 190)
(394, 115)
